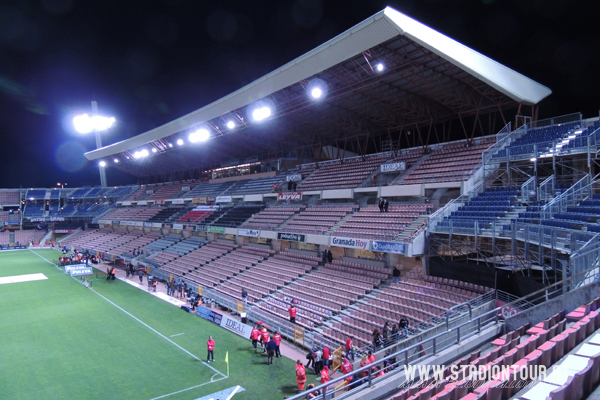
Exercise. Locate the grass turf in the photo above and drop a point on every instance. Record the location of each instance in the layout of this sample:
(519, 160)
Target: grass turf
(60, 340)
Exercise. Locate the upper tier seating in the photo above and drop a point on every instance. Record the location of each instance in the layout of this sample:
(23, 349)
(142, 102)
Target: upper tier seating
(342, 175)
(131, 214)
(5, 216)
(10, 197)
(254, 186)
(370, 223)
(207, 189)
(238, 215)
(272, 217)
(449, 163)
(197, 215)
(318, 219)
(36, 194)
(168, 190)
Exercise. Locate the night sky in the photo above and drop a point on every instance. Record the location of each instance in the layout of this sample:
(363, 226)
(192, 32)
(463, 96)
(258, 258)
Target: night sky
(148, 62)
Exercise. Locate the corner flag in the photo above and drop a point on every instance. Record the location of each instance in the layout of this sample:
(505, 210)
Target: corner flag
(227, 361)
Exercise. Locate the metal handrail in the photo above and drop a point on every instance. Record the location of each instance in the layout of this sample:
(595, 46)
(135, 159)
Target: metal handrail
(456, 307)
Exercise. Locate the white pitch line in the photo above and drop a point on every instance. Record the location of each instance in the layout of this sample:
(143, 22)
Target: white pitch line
(185, 390)
(148, 326)
(234, 392)
(179, 334)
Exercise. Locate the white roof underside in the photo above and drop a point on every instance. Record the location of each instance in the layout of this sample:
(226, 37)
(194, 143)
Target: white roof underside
(377, 29)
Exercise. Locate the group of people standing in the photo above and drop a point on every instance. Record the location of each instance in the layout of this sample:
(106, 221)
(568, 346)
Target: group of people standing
(383, 205)
(270, 345)
(176, 288)
(320, 360)
(327, 257)
(390, 332)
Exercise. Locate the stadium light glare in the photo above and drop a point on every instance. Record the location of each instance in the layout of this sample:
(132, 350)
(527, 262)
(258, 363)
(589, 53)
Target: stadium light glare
(201, 135)
(316, 93)
(102, 164)
(577, 132)
(231, 124)
(261, 113)
(137, 154)
(180, 142)
(154, 150)
(379, 67)
(86, 124)
(116, 160)
(144, 153)
(170, 144)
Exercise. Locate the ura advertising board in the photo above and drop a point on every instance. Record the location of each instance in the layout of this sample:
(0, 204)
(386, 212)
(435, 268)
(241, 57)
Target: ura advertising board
(209, 315)
(216, 229)
(289, 196)
(248, 232)
(388, 247)
(295, 237)
(351, 243)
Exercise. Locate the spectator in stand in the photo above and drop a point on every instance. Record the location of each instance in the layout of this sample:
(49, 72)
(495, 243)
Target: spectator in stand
(324, 377)
(381, 204)
(313, 394)
(394, 333)
(329, 257)
(386, 205)
(292, 310)
(254, 336)
(275, 188)
(395, 274)
(385, 331)
(346, 368)
(403, 324)
(349, 349)
(377, 339)
(324, 257)
(364, 361)
(277, 339)
(290, 185)
(326, 356)
(294, 186)
(379, 372)
(371, 358)
(244, 297)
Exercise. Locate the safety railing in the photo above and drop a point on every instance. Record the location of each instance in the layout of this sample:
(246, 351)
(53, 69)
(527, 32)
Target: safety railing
(453, 205)
(409, 355)
(546, 189)
(586, 256)
(572, 196)
(504, 137)
(563, 119)
(528, 190)
(418, 352)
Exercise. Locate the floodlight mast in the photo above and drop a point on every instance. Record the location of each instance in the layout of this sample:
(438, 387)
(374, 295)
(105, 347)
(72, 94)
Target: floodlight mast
(98, 143)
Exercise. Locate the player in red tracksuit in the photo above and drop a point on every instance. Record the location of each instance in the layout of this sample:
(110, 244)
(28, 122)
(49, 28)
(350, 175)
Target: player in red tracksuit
(210, 343)
(277, 339)
(254, 335)
(292, 310)
(264, 336)
(326, 354)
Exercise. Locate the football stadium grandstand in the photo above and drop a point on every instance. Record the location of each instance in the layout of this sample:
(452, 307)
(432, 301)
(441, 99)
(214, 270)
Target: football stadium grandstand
(494, 231)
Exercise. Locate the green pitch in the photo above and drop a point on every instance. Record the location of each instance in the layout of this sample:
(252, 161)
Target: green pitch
(60, 340)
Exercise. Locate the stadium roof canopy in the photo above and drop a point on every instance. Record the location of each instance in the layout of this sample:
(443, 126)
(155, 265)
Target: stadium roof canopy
(426, 78)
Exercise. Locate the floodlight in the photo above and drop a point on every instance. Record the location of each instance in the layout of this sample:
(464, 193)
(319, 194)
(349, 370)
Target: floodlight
(533, 159)
(137, 154)
(577, 132)
(201, 135)
(379, 67)
(154, 149)
(85, 124)
(170, 144)
(261, 113)
(116, 160)
(572, 136)
(102, 164)
(144, 153)
(180, 142)
(316, 93)
(231, 124)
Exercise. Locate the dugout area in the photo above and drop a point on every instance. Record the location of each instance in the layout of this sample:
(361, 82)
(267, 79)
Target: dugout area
(61, 340)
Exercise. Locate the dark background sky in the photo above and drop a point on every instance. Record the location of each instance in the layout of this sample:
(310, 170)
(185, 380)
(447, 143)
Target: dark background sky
(147, 62)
